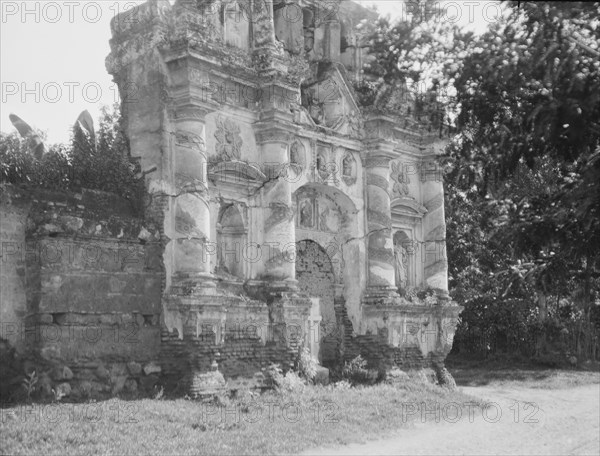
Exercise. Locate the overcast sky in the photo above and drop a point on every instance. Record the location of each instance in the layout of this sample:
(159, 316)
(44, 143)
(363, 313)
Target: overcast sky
(52, 57)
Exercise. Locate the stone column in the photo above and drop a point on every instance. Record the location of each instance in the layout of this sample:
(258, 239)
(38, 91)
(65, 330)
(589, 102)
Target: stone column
(433, 251)
(380, 246)
(332, 38)
(263, 34)
(279, 233)
(189, 213)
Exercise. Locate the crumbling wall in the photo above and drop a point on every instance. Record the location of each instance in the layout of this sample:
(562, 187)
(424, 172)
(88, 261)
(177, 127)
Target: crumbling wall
(316, 278)
(14, 207)
(84, 284)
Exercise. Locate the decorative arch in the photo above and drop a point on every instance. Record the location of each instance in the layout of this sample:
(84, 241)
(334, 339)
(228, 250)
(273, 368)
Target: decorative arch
(342, 200)
(298, 154)
(316, 278)
(407, 207)
(327, 216)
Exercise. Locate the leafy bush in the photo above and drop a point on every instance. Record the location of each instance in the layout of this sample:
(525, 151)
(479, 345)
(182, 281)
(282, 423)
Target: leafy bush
(307, 365)
(273, 375)
(29, 384)
(356, 372)
(290, 382)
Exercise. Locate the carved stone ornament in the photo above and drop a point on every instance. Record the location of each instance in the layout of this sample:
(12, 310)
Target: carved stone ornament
(348, 169)
(321, 166)
(280, 212)
(306, 213)
(316, 214)
(229, 140)
(191, 140)
(189, 184)
(355, 124)
(297, 158)
(401, 181)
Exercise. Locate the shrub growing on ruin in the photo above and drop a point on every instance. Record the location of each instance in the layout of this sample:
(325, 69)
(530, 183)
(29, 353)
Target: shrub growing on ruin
(357, 373)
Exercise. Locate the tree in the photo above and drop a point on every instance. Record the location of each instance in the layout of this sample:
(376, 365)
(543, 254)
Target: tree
(96, 160)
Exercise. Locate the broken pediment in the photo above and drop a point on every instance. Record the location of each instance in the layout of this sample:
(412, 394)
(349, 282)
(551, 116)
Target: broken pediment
(236, 174)
(405, 206)
(330, 103)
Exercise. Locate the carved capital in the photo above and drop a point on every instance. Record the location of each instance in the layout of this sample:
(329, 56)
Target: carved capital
(197, 113)
(273, 135)
(377, 161)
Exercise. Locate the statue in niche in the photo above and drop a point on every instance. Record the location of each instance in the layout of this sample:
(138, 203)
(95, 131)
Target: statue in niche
(348, 169)
(296, 155)
(316, 108)
(323, 219)
(229, 140)
(322, 166)
(401, 266)
(306, 214)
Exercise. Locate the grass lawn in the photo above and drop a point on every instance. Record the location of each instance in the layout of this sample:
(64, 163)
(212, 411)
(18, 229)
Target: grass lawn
(272, 423)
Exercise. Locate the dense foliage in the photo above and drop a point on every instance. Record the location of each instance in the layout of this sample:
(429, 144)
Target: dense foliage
(92, 160)
(523, 191)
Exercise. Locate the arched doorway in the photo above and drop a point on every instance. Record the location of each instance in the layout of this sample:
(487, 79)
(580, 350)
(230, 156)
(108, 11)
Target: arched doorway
(316, 278)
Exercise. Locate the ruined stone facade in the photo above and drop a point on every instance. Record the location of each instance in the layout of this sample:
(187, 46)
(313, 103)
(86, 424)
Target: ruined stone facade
(283, 204)
(279, 211)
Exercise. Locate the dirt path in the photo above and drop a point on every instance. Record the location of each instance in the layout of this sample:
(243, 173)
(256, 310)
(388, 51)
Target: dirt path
(562, 422)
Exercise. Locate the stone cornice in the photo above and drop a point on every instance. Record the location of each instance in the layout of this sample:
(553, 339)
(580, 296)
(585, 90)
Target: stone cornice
(406, 207)
(398, 310)
(267, 132)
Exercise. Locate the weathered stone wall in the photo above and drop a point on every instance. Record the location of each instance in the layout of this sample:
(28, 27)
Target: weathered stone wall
(83, 279)
(14, 208)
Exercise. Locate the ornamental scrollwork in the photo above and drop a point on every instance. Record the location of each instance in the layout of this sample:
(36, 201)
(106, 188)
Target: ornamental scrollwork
(229, 140)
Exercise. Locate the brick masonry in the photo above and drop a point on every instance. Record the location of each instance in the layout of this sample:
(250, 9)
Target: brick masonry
(315, 276)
